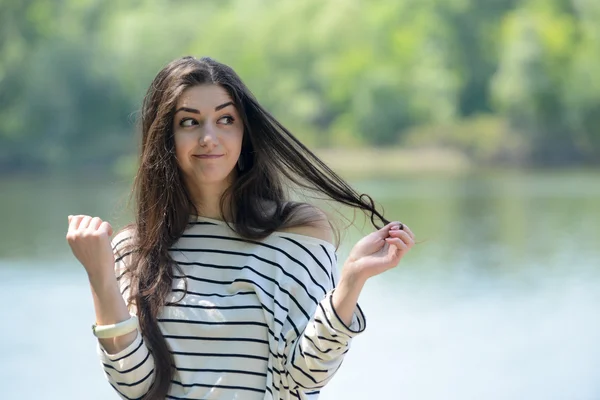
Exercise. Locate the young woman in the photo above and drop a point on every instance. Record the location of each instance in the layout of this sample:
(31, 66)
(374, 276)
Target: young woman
(224, 288)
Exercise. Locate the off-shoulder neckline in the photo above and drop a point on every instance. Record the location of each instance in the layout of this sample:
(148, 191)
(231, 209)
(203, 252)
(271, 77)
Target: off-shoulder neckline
(296, 236)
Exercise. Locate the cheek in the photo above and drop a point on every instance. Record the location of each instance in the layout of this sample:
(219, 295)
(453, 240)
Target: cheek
(235, 140)
(184, 140)
(183, 145)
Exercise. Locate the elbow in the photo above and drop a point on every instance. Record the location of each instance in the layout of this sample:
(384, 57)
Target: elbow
(303, 383)
(307, 376)
(134, 390)
(131, 385)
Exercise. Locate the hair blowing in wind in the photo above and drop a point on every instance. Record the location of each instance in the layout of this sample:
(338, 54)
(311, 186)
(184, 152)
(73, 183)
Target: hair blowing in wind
(273, 160)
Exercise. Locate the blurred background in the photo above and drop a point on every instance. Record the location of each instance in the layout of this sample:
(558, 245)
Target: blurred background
(476, 122)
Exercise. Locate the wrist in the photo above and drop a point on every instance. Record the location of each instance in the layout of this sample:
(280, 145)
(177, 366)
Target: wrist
(352, 275)
(350, 284)
(345, 296)
(103, 285)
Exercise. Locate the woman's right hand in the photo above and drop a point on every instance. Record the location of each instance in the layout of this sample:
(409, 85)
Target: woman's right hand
(89, 239)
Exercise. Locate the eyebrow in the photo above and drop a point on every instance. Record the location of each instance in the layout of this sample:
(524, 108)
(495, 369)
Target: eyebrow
(194, 111)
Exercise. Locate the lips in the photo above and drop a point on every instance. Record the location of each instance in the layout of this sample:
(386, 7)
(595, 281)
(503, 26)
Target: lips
(208, 156)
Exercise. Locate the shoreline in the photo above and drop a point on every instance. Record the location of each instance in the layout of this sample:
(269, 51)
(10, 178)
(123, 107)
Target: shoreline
(349, 163)
(375, 162)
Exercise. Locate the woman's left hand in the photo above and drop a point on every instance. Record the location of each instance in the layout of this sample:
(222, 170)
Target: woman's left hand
(379, 251)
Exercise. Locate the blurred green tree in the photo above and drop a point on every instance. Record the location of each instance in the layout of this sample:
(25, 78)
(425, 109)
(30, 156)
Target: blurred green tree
(482, 77)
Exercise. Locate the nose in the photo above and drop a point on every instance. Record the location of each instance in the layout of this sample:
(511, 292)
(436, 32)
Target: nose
(208, 137)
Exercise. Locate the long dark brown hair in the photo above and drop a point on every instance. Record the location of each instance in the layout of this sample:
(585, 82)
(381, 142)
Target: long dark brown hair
(257, 202)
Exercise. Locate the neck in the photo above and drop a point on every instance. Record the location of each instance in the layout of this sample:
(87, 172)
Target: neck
(207, 199)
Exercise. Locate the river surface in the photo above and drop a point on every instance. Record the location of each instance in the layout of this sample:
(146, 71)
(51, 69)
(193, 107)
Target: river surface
(500, 300)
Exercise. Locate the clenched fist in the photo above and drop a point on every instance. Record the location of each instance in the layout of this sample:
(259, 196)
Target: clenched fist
(89, 239)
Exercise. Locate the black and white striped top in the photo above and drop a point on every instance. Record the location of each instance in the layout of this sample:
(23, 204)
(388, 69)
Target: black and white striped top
(256, 322)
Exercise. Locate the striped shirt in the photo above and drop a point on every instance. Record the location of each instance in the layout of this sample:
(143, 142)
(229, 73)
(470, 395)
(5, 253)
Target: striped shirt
(256, 322)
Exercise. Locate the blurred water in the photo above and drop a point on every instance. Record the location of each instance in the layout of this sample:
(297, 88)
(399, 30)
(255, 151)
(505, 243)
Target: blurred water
(500, 301)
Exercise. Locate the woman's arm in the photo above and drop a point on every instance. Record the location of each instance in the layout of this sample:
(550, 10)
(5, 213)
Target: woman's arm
(345, 297)
(318, 352)
(127, 362)
(372, 255)
(110, 308)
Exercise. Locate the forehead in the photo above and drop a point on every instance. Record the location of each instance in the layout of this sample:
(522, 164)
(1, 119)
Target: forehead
(203, 97)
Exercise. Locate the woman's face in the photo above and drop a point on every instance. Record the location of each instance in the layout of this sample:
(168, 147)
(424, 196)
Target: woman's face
(208, 135)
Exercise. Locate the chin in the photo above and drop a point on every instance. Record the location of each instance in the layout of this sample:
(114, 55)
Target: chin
(210, 179)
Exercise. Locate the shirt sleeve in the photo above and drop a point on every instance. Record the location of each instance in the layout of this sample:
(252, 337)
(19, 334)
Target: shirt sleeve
(318, 352)
(131, 371)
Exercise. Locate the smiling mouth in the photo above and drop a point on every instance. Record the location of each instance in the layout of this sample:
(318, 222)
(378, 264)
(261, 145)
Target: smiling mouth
(209, 156)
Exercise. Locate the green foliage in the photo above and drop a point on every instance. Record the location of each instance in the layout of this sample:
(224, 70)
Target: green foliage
(485, 139)
(501, 80)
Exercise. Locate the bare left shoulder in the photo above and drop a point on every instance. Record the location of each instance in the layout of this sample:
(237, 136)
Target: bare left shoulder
(318, 227)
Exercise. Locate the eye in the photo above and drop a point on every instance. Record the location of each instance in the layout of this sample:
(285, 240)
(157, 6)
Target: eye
(228, 119)
(186, 122)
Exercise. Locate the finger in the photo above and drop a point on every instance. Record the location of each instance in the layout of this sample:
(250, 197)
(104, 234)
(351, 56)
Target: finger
(105, 227)
(397, 226)
(403, 235)
(405, 228)
(398, 243)
(84, 222)
(74, 222)
(95, 223)
(384, 232)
